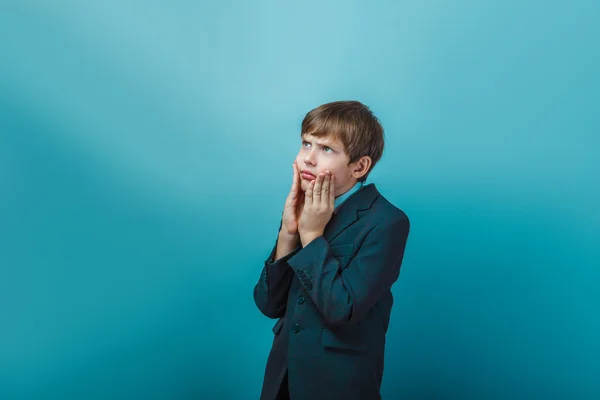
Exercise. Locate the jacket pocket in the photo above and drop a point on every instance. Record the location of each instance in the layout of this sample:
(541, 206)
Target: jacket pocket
(344, 340)
(277, 326)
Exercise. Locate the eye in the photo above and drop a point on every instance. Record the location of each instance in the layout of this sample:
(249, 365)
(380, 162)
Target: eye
(304, 143)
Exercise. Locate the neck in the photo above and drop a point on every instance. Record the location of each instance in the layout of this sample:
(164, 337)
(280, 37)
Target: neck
(351, 185)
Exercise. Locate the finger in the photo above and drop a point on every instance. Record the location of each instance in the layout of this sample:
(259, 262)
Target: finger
(308, 197)
(296, 181)
(317, 190)
(325, 190)
(294, 186)
(332, 192)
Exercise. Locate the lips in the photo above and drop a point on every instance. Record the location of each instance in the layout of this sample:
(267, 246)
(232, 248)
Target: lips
(307, 174)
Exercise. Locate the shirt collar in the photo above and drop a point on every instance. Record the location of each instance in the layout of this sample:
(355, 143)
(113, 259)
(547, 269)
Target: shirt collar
(343, 197)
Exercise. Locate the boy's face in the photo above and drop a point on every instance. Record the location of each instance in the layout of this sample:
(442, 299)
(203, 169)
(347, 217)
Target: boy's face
(317, 155)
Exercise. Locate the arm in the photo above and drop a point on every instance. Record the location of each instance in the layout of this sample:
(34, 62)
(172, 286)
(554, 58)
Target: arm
(344, 296)
(271, 291)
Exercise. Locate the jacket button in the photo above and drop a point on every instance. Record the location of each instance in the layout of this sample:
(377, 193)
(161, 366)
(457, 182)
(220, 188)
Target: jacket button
(301, 300)
(296, 328)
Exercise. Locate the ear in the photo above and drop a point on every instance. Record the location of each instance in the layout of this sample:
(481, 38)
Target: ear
(361, 167)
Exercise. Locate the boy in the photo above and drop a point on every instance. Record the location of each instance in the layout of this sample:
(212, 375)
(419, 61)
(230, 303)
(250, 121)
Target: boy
(338, 252)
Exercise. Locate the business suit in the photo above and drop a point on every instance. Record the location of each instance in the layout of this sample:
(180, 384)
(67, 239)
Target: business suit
(333, 302)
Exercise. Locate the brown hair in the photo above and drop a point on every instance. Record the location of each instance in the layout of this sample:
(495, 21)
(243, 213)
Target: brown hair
(353, 124)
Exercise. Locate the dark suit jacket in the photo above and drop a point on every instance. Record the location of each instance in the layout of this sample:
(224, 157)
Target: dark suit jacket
(333, 302)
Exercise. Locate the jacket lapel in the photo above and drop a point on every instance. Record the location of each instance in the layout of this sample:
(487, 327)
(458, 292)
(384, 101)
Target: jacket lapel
(351, 211)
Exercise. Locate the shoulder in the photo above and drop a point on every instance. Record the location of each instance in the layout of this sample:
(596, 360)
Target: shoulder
(384, 212)
(378, 215)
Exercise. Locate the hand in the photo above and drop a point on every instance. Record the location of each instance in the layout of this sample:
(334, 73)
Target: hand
(294, 205)
(318, 207)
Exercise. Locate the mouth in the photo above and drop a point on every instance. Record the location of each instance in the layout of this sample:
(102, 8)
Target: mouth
(308, 176)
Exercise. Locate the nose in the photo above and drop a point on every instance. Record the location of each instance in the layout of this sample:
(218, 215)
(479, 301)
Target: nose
(309, 159)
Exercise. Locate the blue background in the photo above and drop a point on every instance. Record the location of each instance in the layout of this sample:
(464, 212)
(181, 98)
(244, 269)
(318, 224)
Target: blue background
(146, 152)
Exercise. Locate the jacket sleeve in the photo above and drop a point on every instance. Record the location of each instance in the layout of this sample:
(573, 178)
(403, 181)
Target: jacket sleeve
(344, 296)
(271, 290)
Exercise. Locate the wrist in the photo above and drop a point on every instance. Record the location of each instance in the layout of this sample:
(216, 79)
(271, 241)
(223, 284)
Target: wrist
(307, 237)
(288, 236)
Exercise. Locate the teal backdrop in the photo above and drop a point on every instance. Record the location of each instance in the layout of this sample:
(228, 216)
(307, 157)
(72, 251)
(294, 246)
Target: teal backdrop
(146, 152)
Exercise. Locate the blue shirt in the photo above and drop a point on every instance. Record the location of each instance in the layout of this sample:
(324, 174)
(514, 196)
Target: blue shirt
(343, 197)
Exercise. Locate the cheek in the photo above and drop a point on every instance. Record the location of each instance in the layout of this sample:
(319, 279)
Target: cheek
(338, 176)
(338, 183)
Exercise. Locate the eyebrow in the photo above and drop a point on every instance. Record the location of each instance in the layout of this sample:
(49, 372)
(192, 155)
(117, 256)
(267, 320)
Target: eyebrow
(327, 144)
